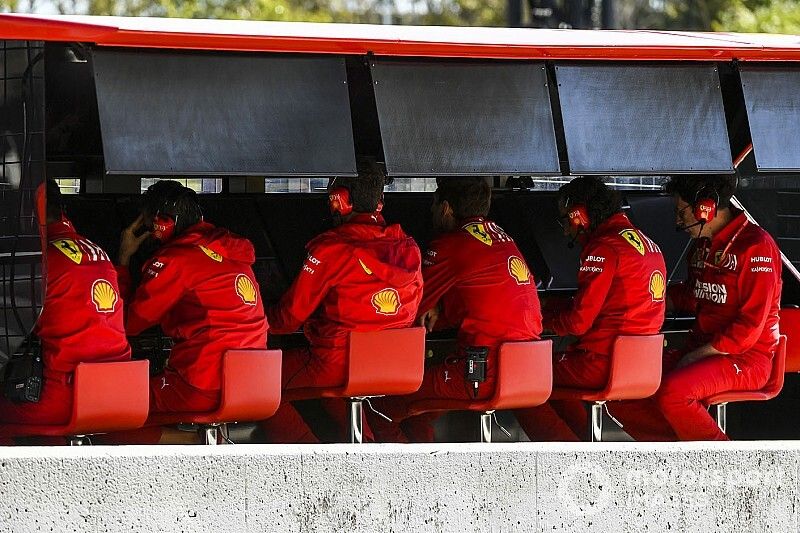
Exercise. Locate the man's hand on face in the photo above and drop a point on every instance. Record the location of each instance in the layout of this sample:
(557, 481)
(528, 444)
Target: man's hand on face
(429, 318)
(130, 241)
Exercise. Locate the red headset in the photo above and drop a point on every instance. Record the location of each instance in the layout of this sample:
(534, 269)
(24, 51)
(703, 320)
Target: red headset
(165, 219)
(578, 216)
(339, 201)
(705, 205)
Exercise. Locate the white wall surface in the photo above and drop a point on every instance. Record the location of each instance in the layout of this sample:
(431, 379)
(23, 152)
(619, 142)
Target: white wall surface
(622, 487)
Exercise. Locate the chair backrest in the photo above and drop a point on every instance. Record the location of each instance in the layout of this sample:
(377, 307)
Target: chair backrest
(775, 383)
(110, 397)
(524, 374)
(251, 385)
(790, 326)
(636, 365)
(386, 362)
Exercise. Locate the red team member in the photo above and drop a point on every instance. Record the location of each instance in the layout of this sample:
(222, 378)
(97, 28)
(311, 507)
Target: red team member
(621, 291)
(200, 288)
(477, 280)
(81, 321)
(734, 289)
(362, 275)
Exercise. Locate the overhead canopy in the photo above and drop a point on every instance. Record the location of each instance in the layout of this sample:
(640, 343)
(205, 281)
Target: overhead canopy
(643, 119)
(772, 99)
(169, 113)
(465, 117)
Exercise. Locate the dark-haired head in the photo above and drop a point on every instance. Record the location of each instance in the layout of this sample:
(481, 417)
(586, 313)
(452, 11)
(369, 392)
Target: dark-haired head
(460, 198)
(689, 190)
(171, 198)
(601, 201)
(366, 189)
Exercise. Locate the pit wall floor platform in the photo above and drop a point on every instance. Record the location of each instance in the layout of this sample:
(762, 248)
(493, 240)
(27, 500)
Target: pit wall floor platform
(530, 487)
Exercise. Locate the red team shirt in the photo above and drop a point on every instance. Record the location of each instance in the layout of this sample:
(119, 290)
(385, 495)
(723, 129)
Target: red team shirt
(734, 290)
(484, 285)
(360, 276)
(201, 289)
(612, 300)
(82, 317)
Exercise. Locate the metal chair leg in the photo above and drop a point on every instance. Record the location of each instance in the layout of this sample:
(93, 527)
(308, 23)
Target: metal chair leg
(79, 440)
(596, 422)
(356, 420)
(721, 416)
(211, 434)
(486, 426)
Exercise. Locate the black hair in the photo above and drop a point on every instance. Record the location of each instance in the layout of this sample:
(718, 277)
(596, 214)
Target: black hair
(692, 187)
(366, 190)
(55, 201)
(468, 196)
(169, 197)
(601, 201)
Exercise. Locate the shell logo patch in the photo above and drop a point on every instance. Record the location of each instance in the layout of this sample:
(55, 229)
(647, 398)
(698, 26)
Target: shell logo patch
(212, 254)
(478, 230)
(386, 302)
(658, 287)
(633, 238)
(365, 267)
(104, 296)
(246, 290)
(69, 248)
(519, 270)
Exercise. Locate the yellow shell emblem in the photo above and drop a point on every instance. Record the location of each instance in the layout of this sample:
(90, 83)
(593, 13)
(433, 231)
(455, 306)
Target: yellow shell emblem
(104, 296)
(246, 290)
(658, 286)
(69, 248)
(634, 239)
(212, 254)
(519, 270)
(386, 302)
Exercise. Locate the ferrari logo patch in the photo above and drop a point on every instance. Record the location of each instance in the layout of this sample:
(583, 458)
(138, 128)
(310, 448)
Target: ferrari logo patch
(633, 238)
(658, 287)
(478, 230)
(386, 302)
(69, 248)
(519, 270)
(246, 290)
(104, 296)
(212, 254)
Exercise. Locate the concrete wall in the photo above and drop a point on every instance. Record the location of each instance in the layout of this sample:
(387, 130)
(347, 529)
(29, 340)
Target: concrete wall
(732, 487)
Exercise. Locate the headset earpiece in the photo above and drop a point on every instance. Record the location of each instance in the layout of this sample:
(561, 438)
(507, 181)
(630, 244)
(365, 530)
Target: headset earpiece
(339, 201)
(578, 216)
(705, 205)
(163, 227)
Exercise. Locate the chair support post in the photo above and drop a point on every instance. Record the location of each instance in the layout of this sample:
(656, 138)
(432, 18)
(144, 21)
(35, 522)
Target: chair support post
(356, 420)
(486, 426)
(210, 435)
(596, 422)
(721, 416)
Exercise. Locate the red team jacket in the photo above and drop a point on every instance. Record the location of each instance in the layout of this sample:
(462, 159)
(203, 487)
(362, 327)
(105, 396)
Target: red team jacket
(734, 289)
(490, 305)
(82, 317)
(621, 288)
(360, 276)
(201, 289)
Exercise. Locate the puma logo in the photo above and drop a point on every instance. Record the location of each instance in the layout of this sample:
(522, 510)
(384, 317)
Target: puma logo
(164, 382)
(738, 370)
(446, 376)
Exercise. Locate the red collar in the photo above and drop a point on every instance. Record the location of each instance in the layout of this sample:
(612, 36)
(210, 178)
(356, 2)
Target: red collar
(60, 228)
(371, 219)
(730, 231)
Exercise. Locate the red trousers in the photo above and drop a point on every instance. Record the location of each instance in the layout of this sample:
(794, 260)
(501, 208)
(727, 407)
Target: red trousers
(445, 380)
(54, 407)
(304, 368)
(679, 410)
(566, 420)
(170, 393)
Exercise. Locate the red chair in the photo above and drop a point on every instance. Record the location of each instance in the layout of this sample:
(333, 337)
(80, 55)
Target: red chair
(380, 363)
(790, 326)
(635, 373)
(770, 390)
(524, 379)
(107, 397)
(251, 391)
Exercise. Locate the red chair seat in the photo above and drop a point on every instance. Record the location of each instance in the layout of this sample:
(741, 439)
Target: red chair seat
(635, 373)
(107, 397)
(790, 326)
(251, 390)
(380, 363)
(524, 379)
(770, 390)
